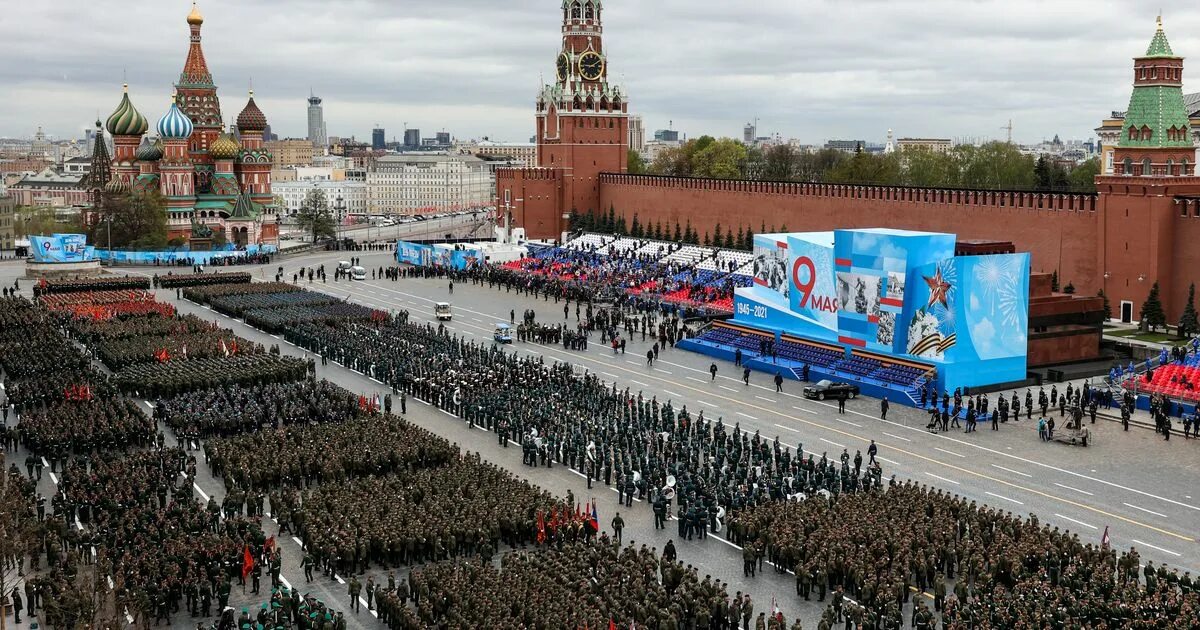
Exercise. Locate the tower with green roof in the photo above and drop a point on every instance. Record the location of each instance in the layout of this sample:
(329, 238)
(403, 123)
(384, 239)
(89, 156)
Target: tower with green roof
(1155, 139)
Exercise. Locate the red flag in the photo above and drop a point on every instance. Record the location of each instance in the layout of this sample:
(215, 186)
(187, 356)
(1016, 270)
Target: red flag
(541, 527)
(247, 561)
(553, 518)
(270, 544)
(612, 625)
(1104, 539)
(595, 518)
(233, 347)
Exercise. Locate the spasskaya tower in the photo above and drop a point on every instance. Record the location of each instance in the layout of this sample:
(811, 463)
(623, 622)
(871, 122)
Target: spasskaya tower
(582, 131)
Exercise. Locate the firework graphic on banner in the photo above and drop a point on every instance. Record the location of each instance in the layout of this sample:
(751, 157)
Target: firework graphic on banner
(931, 331)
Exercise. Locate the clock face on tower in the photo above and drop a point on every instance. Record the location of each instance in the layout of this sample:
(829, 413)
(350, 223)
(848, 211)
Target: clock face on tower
(564, 66)
(591, 65)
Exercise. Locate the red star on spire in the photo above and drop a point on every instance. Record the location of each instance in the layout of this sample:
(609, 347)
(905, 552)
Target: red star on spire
(938, 288)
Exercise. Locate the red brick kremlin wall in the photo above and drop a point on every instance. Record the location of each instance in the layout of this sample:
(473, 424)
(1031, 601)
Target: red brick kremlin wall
(1060, 230)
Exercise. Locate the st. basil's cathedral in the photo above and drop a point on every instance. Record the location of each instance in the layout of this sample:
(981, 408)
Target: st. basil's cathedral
(214, 181)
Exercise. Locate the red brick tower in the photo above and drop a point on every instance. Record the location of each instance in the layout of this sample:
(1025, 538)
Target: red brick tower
(1147, 206)
(582, 131)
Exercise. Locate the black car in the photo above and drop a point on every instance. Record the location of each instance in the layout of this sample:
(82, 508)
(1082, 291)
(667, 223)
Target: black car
(828, 389)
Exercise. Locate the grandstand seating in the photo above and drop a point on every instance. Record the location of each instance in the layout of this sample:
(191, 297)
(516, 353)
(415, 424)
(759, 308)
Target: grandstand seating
(1174, 380)
(588, 242)
(689, 254)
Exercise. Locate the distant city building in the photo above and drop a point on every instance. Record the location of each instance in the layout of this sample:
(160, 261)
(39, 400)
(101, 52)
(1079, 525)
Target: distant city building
(49, 189)
(412, 138)
(637, 134)
(523, 152)
(352, 195)
(378, 138)
(316, 124)
(8, 207)
(890, 147)
(666, 135)
(937, 145)
(442, 138)
(308, 174)
(749, 133)
(291, 152)
(268, 136)
(424, 182)
(849, 146)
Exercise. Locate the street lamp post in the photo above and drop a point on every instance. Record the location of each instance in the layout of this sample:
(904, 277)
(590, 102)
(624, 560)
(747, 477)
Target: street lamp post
(340, 207)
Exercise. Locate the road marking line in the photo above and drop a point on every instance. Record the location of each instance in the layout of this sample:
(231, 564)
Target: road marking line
(1145, 544)
(892, 435)
(1068, 518)
(298, 541)
(663, 371)
(45, 463)
(728, 388)
(943, 479)
(884, 459)
(833, 443)
(610, 375)
(339, 579)
(149, 404)
(706, 404)
(671, 393)
(1075, 489)
(787, 428)
(948, 452)
(746, 415)
(999, 496)
(698, 380)
(1015, 472)
(639, 383)
(853, 424)
(202, 494)
(803, 409)
(632, 362)
(286, 584)
(770, 400)
(54, 479)
(1145, 510)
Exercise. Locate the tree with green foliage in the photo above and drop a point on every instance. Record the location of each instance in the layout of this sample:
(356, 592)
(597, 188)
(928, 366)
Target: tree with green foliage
(740, 241)
(678, 233)
(314, 216)
(1054, 281)
(658, 231)
(574, 221)
(637, 165)
(1153, 314)
(1107, 305)
(718, 238)
(635, 228)
(729, 242)
(1069, 289)
(610, 222)
(689, 235)
(1189, 323)
(622, 229)
(748, 243)
(922, 166)
(137, 221)
(35, 221)
(722, 159)
(707, 239)
(995, 165)
(1083, 177)
(1050, 175)
(868, 168)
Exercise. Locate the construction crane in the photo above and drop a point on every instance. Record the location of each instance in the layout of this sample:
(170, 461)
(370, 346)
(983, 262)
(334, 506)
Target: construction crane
(1009, 128)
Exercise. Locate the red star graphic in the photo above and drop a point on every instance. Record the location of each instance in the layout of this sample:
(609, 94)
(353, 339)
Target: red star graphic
(938, 287)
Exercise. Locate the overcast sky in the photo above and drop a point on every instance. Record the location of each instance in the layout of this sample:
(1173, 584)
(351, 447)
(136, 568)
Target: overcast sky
(808, 69)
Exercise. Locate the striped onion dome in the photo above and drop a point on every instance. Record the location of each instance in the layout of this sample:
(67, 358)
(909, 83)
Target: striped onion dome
(225, 147)
(174, 125)
(116, 186)
(149, 152)
(126, 120)
(251, 119)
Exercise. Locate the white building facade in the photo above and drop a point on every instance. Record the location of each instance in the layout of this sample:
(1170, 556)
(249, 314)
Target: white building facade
(353, 197)
(429, 182)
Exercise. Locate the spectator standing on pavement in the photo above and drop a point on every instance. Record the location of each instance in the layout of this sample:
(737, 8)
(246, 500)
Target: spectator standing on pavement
(778, 382)
(883, 407)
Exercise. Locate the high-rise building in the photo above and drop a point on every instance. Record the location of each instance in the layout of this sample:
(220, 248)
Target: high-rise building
(749, 133)
(443, 138)
(666, 135)
(412, 138)
(316, 124)
(637, 134)
(378, 138)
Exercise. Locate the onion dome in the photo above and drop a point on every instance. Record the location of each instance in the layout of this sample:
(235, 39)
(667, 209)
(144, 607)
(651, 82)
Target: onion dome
(174, 125)
(225, 147)
(116, 186)
(251, 118)
(194, 17)
(149, 152)
(126, 120)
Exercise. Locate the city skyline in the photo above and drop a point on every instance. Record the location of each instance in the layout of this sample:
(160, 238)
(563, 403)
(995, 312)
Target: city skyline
(819, 73)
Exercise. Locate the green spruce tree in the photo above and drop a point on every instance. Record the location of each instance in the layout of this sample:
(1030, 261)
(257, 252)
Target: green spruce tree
(678, 233)
(718, 238)
(1189, 323)
(1107, 304)
(1054, 281)
(1153, 315)
(635, 228)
